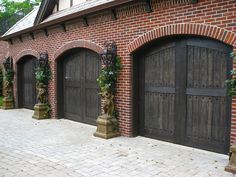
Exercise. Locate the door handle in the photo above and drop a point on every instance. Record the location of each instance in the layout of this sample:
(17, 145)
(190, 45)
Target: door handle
(68, 78)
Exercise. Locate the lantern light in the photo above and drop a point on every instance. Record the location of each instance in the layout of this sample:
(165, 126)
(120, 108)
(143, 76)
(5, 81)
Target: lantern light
(108, 54)
(42, 60)
(8, 63)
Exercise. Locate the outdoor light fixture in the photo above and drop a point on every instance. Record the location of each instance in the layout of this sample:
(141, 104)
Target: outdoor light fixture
(194, 1)
(42, 60)
(8, 63)
(108, 54)
(148, 6)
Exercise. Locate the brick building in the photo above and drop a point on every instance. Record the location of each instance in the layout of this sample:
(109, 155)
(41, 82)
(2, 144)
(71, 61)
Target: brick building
(175, 57)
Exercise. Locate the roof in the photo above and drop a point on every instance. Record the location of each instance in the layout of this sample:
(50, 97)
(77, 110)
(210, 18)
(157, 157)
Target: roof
(77, 8)
(31, 22)
(45, 9)
(24, 23)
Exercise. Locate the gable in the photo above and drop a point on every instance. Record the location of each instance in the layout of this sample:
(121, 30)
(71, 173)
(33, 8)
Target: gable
(49, 7)
(24, 23)
(45, 9)
(48, 14)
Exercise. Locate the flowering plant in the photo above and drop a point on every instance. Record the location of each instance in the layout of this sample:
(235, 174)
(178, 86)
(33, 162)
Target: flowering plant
(108, 76)
(107, 82)
(43, 75)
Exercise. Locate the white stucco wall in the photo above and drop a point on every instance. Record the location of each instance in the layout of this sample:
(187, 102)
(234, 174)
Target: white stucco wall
(63, 4)
(55, 9)
(75, 2)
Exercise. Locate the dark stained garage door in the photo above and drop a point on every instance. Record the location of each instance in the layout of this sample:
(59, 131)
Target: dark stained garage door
(81, 101)
(26, 82)
(183, 96)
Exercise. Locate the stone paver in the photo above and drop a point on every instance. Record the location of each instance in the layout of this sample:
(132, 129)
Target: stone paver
(62, 148)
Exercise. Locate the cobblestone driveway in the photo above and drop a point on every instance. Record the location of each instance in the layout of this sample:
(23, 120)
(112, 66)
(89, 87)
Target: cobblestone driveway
(62, 148)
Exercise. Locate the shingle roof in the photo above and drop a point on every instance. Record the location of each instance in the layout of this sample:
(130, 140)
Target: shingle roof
(76, 9)
(28, 20)
(24, 23)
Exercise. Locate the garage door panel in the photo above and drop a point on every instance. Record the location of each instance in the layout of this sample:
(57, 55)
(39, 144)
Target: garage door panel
(184, 94)
(81, 100)
(92, 104)
(206, 123)
(209, 63)
(205, 116)
(72, 72)
(28, 92)
(92, 63)
(27, 84)
(73, 101)
(159, 93)
(159, 110)
(160, 68)
(206, 94)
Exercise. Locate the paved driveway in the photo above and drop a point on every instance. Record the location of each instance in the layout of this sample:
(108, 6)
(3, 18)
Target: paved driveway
(62, 148)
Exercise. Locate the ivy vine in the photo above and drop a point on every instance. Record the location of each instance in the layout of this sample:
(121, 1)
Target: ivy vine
(43, 75)
(9, 76)
(108, 78)
(231, 82)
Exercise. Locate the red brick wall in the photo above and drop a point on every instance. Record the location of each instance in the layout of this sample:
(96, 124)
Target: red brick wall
(134, 27)
(3, 50)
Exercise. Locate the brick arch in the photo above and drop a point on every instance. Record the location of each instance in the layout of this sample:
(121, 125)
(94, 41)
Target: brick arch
(210, 31)
(78, 44)
(25, 53)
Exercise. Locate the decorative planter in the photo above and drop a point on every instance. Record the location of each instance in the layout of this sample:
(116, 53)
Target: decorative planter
(43, 75)
(107, 124)
(106, 127)
(8, 103)
(231, 167)
(40, 111)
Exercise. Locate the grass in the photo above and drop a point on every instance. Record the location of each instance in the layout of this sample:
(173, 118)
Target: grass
(1, 100)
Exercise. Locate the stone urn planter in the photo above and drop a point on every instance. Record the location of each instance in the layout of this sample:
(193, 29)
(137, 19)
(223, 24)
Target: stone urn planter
(107, 123)
(231, 167)
(41, 109)
(43, 75)
(8, 101)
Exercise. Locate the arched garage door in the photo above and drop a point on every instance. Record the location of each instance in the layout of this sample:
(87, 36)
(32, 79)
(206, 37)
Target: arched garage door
(81, 101)
(183, 96)
(26, 82)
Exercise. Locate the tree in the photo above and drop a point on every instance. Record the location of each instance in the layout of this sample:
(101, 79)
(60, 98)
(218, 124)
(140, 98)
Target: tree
(12, 11)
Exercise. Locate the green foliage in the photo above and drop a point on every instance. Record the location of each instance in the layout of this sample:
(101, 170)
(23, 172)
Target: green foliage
(9, 76)
(43, 75)
(1, 101)
(12, 11)
(1, 81)
(231, 87)
(108, 76)
(231, 82)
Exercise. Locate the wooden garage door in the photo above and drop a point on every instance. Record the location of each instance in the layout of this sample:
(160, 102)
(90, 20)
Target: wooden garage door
(81, 100)
(183, 96)
(26, 82)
